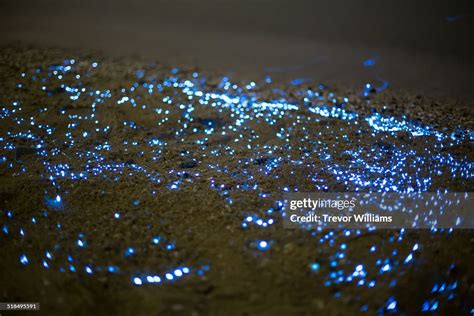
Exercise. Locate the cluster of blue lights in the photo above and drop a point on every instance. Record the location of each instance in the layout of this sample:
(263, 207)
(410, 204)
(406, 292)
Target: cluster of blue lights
(169, 276)
(241, 143)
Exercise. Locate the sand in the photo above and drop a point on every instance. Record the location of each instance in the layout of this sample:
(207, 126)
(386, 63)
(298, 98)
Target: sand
(162, 182)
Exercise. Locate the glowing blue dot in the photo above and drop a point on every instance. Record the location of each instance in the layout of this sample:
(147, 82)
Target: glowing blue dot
(185, 270)
(130, 251)
(392, 305)
(263, 245)
(137, 281)
(156, 279)
(140, 73)
(386, 268)
(24, 259)
(58, 199)
(434, 306)
(178, 272)
(169, 276)
(117, 215)
(369, 62)
(315, 266)
(89, 270)
(150, 279)
(425, 307)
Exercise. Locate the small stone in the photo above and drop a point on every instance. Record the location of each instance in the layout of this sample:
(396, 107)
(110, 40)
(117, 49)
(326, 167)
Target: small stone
(24, 151)
(204, 288)
(288, 248)
(177, 307)
(188, 164)
(317, 303)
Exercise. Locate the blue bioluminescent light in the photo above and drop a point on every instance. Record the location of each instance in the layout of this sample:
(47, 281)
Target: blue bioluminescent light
(263, 245)
(249, 141)
(386, 268)
(315, 266)
(137, 281)
(24, 259)
(369, 62)
(129, 252)
(392, 304)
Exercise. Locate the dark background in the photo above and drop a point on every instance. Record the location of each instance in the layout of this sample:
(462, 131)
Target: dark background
(422, 46)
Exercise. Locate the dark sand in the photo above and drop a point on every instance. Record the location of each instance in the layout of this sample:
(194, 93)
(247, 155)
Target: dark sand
(205, 229)
(421, 47)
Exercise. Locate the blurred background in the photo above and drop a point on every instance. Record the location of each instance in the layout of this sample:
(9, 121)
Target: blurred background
(422, 46)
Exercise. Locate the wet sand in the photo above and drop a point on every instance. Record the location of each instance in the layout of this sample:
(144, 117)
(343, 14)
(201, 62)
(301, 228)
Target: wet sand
(144, 147)
(137, 169)
(421, 48)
